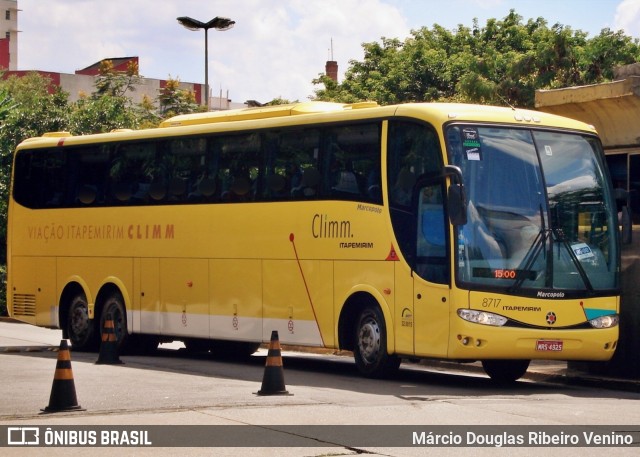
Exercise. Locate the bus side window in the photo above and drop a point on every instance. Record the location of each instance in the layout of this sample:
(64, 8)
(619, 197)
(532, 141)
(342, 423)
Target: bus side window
(274, 170)
(308, 185)
(431, 259)
(87, 194)
(413, 153)
(131, 172)
(276, 187)
(374, 185)
(352, 162)
(296, 160)
(346, 184)
(87, 170)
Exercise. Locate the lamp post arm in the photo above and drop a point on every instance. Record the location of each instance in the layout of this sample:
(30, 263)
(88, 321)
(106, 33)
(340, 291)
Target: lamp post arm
(217, 23)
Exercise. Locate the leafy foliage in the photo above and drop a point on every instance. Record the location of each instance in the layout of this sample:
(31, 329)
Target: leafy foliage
(116, 83)
(173, 100)
(502, 63)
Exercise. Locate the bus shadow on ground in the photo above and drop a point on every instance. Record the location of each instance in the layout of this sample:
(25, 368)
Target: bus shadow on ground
(413, 382)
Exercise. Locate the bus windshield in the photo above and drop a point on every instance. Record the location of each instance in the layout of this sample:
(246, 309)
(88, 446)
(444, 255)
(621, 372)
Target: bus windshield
(539, 211)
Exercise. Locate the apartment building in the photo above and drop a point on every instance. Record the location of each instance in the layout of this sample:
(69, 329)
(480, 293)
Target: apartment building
(9, 34)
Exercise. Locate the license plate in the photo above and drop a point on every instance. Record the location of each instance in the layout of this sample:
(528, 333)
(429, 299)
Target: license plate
(549, 345)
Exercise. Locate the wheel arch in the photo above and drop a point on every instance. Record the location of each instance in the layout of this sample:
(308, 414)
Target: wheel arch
(109, 286)
(351, 309)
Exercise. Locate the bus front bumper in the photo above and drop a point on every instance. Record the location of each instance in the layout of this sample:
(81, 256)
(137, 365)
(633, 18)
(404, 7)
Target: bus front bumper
(471, 341)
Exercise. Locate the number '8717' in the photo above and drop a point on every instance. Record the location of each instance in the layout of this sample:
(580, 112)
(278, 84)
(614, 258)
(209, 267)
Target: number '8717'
(491, 302)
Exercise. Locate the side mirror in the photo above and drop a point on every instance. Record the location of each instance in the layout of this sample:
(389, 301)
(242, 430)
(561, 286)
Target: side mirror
(457, 205)
(456, 196)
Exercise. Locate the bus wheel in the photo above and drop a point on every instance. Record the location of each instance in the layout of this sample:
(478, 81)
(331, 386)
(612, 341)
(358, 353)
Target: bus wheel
(370, 349)
(505, 371)
(80, 329)
(114, 307)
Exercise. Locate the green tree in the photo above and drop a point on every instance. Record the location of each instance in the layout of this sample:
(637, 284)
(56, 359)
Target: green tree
(173, 100)
(29, 106)
(37, 106)
(102, 114)
(116, 83)
(6, 105)
(109, 107)
(605, 52)
(502, 63)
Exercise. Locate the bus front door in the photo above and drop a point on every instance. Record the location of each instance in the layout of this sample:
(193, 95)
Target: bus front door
(431, 273)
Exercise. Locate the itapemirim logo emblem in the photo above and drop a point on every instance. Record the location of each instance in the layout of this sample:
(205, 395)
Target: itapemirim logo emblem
(551, 318)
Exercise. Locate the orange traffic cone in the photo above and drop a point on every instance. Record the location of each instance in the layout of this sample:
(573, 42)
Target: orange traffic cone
(109, 345)
(273, 380)
(63, 391)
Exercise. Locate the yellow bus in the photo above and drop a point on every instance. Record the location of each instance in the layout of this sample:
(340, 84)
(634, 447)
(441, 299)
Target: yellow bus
(445, 231)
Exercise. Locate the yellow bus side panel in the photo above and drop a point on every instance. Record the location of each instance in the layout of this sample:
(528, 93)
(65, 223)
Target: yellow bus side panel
(295, 294)
(236, 299)
(404, 310)
(33, 295)
(421, 315)
(146, 304)
(184, 295)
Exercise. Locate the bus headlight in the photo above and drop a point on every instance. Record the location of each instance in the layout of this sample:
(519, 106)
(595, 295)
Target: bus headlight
(482, 317)
(608, 321)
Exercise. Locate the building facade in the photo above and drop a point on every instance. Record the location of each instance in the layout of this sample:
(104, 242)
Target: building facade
(9, 34)
(82, 82)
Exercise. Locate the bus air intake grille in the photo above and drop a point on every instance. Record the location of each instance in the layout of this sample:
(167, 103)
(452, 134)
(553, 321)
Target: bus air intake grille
(24, 305)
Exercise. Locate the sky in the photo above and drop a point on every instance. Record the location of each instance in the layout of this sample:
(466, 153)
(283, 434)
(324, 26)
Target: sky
(277, 47)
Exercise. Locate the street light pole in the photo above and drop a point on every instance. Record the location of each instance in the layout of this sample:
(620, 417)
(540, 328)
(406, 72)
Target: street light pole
(217, 23)
(206, 67)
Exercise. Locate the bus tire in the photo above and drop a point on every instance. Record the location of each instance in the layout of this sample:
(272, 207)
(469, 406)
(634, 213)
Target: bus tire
(79, 328)
(505, 371)
(114, 307)
(370, 348)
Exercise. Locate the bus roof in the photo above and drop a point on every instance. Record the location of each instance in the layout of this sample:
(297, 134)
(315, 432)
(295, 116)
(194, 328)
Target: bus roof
(313, 111)
(449, 112)
(265, 112)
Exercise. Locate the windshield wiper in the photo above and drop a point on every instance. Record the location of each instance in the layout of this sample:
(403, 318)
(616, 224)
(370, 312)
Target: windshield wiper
(559, 236)
(554, 235)
(533, 252)
(532, 255)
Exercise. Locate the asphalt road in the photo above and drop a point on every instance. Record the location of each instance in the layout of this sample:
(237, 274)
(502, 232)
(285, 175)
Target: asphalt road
(191, 396)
